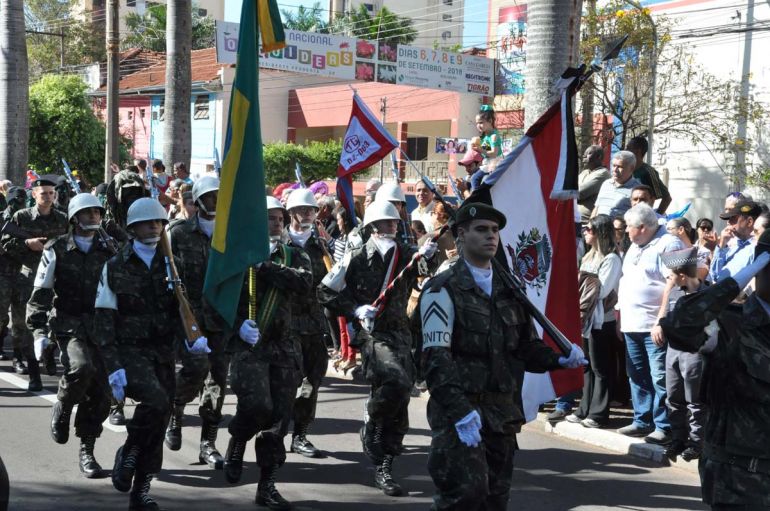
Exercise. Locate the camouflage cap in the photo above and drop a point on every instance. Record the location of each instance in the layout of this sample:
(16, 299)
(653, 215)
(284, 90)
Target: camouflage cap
(479, 211)
(680, 259)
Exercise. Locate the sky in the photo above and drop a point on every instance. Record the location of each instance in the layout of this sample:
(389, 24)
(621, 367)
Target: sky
(474, 29)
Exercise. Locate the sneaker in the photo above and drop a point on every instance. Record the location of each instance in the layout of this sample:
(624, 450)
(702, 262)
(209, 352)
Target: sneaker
(658, 437)
(590, 423)
(635, 431)
(574, 419)
(556, 415)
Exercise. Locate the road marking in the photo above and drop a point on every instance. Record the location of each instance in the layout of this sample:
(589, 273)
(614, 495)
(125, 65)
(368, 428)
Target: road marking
(50, 397)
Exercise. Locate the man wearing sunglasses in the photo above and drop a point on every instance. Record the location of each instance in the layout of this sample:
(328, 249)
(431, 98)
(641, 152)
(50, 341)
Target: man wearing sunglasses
(729, 258)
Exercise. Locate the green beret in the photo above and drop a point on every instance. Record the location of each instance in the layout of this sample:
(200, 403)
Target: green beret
(479, 211)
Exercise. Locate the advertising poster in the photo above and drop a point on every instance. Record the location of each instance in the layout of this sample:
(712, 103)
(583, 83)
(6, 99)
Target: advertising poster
(451, 145)
(511, 49)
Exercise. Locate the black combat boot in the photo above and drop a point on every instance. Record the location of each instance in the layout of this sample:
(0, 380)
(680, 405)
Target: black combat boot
(18, 363)
(139, 499)
(88, 464)
(301, 445)
(48, 359)
(35, 383)
(209, 453)
(3, 334)
(124, 468)
(117, 418)
(174, 431)
(233, 465)
(267, 494)
(60, 422)
(371, 442)
(383, 478)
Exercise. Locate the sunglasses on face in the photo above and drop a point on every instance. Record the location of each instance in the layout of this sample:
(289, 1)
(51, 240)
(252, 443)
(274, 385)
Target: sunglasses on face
(705, 228)
(588, 228)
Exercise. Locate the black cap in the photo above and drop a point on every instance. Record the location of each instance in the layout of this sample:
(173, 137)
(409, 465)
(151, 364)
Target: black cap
(15, 192)
(479, 211)
(101, 188)
(44, 181)
(743, 207)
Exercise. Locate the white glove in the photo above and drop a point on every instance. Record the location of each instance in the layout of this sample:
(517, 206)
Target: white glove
(40, 344)
(199, 347)
(469, 429)
(249, 332)
(576, 358)
(744, 276)
(117, 383)
(365, 312)
(428, 249)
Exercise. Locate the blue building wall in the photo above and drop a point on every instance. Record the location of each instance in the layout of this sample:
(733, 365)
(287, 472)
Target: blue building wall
(203, 127)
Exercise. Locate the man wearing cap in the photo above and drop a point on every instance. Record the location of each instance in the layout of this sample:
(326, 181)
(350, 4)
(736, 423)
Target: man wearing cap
(382, 333)
(62, 301)
(36, 225)
(9, 274)
(729, 258)
(683, 369)
(477, 337)
(472, 163)
(424, 210)
(200, 375)
(136, 322)
(590, 180)
(735, 463)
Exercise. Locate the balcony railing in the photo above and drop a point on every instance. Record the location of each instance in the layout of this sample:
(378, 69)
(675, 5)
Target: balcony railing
(437, 171)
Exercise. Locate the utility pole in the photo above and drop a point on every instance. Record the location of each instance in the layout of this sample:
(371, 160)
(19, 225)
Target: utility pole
(111, 154)
(739, 175)
(587, 92)
(60, 35)
(383, 110)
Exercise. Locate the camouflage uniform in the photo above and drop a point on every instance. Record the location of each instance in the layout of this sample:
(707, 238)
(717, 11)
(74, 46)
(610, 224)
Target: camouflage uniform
(474, 348)
(137, 319)
(735, 464)
(35, 225)
(67, 278)
(309, 326)
(9, 291)
(264, 377)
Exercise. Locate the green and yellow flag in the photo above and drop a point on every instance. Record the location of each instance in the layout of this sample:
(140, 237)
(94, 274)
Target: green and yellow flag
(240, 234)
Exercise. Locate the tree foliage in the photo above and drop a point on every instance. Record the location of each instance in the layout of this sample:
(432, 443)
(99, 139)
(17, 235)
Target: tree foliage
(318, 160)
(305, 19)
(63, 125)
(148, 30)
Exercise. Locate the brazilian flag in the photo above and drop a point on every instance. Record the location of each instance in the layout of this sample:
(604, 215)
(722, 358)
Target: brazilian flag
(240, 234)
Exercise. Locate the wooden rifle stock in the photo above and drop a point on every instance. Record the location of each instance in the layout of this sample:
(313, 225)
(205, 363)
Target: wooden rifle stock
(191, 329)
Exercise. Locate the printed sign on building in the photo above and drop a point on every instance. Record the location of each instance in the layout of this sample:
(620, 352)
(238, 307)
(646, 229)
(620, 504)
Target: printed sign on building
(511, 49)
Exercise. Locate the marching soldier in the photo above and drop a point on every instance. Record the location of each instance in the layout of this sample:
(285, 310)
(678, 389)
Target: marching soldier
(9, 273)
(137, 318)
(308, 321)
(349, 290)
(190, 242)
(266, 366)
(34, 227)
(67, 278)
(476, 338)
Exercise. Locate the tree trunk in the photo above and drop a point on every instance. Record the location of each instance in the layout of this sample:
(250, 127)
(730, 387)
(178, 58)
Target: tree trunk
(177, 136)
(14, 92)
(553, 35)
(587, 92)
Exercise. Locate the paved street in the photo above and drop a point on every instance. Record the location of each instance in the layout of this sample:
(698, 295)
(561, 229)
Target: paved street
(552, 473)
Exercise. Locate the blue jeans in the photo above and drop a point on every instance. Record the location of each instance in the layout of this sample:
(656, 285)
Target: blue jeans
(646, 367)
(567, 402)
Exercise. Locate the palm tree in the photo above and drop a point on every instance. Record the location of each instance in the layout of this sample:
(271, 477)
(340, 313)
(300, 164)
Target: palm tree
(177, 137)
(148, 30)
(305, 19)
(14, 92)
(383, 26)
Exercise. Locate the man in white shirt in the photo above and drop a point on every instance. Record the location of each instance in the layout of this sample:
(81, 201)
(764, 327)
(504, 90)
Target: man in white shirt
(614, 197)
(423, 211)
(639, 298)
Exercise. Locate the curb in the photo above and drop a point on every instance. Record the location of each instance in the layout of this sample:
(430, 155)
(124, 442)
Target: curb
(613, 441)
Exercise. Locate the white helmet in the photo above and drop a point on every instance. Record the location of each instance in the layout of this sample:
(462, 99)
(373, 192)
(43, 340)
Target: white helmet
(301, 197)
(83, 201)
(204, 185)
(145, 209)
(273, 203)
(390, 192)
(380, 210)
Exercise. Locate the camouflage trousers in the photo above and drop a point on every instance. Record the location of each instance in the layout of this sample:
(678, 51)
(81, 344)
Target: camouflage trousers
(265, 393)
(15, 290)
(315, 360)
(151, 385)
(204, 376)
(390, 372)
(726, 486)
(84, 383)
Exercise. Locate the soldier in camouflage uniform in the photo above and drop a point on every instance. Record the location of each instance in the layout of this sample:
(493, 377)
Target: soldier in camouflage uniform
(207, 375)
(348, 290)
(266, 360)
(137, 319)
(66, 279)
(38, 224)
(476, 338)
(308, 321)
(735, 462)
(9, 274)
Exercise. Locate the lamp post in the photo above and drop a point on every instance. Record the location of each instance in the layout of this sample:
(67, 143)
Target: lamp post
(654, 71)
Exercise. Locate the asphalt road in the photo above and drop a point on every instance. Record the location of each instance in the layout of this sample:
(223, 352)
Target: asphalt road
(551, 473)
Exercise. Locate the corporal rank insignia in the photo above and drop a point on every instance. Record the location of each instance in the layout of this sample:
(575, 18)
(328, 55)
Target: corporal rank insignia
(437, 312)
(531, 259)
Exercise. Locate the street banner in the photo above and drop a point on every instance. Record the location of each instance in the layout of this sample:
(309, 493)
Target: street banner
(240, 237)
(366, 142)
(438, 69)
(511, 49)
(539, 239)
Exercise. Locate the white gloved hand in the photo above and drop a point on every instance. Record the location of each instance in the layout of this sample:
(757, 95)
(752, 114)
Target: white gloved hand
(249, 332)
(40, 345)
(576, 358)
(469, 429)
(428, 250)
(117, 384)
(366, 312)
(744, 276)
(199, 347)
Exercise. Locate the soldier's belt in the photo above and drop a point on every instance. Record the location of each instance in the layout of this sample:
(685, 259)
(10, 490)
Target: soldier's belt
(753, 465)
(490, 398)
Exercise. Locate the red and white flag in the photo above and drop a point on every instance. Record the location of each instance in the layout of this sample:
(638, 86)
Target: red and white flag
(366, 143)
(534, 186)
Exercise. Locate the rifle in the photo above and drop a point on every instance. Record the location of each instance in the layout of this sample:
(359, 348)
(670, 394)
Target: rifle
(74, 184)
(217, 163)
(13, 230)
(326, 256)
